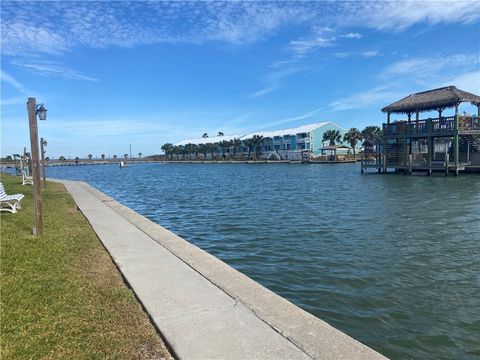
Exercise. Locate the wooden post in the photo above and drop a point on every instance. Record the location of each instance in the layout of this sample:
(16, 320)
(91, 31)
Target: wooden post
(37, 198)
(456, 142)
(447, 155)
(384, 161)
(410, 158)
(430, 154)
(42, 150)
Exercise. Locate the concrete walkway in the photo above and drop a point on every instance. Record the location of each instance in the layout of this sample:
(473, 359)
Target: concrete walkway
(203, 308)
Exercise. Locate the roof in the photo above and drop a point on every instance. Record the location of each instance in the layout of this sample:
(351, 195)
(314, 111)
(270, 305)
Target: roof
(444, 97)
(293, 131)
(266, 134)
(209, 140)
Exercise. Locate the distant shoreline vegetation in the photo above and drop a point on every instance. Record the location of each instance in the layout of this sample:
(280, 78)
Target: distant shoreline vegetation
(259, 147)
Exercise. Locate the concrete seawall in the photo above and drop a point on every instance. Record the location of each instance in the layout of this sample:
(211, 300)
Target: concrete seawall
(204, 308)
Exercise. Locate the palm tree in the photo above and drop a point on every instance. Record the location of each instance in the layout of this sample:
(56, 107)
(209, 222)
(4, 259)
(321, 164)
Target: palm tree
(333, 136)
(90, 156)
(203, 148)
(205, 135)
(372, 136)
(62, 158)
(114, 156)
(174, 151)
(212, 148)
(195, 150)
(167, 148)
(235, 144)
(224, 145)
(353, 136)
(181, 150)
(102, 156)
(139, 155)
(249, 143)
(125, 156)
(257, 142)
(220, 133)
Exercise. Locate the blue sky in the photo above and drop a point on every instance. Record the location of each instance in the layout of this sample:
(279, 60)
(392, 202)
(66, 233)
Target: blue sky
(146, 73)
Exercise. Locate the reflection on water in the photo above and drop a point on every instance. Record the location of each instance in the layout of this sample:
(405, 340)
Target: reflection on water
(391, 260)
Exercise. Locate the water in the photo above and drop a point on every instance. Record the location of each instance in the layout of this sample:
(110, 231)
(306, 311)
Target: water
(391, 260)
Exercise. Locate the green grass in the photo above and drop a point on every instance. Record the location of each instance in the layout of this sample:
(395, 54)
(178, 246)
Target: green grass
(61, 294)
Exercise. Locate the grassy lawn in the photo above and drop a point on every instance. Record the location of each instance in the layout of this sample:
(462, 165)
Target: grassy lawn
(61, 295)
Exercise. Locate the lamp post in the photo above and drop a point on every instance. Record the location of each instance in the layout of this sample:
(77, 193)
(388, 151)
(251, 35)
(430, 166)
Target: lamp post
(43, 143)
(33, 111)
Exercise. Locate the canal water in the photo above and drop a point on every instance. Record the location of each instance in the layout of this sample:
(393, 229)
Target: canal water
(392, 260)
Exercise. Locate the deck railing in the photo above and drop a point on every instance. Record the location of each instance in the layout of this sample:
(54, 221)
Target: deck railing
(443, 124)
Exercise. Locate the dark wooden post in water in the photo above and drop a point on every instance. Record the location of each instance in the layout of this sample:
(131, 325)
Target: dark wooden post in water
(430, 140)
(37, 198)
(42, 150)
(456, 142)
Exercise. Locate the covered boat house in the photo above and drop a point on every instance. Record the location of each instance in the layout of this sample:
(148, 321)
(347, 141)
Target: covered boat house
(449, 143)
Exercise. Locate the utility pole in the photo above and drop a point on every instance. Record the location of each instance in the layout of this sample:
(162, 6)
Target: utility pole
(37, 198)
(43, 143)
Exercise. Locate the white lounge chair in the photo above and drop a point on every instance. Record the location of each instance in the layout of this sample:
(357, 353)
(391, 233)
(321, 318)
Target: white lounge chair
(26, 180)
(9, 202)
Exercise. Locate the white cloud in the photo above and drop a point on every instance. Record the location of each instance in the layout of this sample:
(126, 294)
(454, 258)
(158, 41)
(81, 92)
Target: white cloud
(366, 99)
(273, 81)
(370, 53)
(341, 55)
(306, 115)
(416, 74)
(469, 81)
(66, 25)
(52, 68)
(4, 76)
(425, 70)
(352, 36)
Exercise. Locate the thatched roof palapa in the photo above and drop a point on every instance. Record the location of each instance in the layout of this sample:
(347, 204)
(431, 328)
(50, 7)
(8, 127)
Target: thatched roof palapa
(435, 99)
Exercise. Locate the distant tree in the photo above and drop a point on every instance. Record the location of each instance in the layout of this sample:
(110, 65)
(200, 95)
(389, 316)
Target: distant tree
(175, 151)
(181, 150)
(372, 135)
(333, 136)
(189, 150)
(62, 158)
(249, 144)
(212, 148)
(77, 158)
(167, 149)
(353, 136)
(224, 145)
(139, 154)
(257, 141)
(205, 135)
(220, 133)
(47, 159)
(90, 156)
(203, 148)
(102, 156)
(196, 150)
(8, 158)
(235, 145)
(114, 156)
(125, 156)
